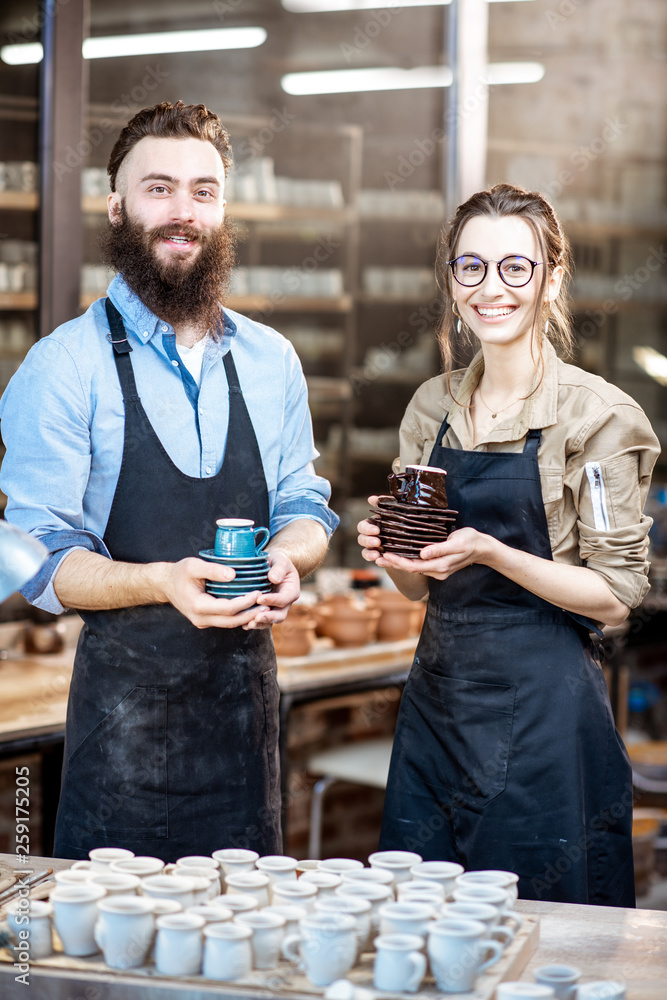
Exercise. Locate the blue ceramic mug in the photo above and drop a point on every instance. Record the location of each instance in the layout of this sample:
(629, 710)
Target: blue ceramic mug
(236, 538)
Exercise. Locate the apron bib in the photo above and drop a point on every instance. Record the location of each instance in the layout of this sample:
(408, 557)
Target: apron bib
(171, 744)
(506, 755)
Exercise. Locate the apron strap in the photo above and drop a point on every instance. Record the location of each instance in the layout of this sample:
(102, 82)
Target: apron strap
(533, 438)
(231, 373)
(121, 353)
(443, 430)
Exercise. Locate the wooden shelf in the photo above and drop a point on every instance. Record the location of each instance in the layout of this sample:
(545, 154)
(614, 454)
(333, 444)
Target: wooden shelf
(263, 303)
(21, 201)
(18, 300)
(253, 211)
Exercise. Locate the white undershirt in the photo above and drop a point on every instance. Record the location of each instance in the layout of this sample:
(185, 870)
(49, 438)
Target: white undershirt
(192, 357)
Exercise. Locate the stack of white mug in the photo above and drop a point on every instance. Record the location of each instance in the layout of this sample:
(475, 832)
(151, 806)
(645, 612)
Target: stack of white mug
(235, 912)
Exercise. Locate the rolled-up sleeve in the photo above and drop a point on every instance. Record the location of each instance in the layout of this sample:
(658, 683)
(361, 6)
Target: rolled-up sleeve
(609, 475)
(300, 493)
(45, 472)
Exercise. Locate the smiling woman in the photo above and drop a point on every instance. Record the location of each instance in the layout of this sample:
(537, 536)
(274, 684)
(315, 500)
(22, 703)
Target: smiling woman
(505, 726)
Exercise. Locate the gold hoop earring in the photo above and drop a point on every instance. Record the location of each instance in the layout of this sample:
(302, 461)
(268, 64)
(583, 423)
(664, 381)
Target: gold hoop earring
(458, 317)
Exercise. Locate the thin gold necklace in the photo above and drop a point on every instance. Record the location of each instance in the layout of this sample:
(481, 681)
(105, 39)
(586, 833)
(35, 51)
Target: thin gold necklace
(495, 414)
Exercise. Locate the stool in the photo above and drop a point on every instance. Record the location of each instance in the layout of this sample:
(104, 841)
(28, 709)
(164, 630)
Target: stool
(363, 763)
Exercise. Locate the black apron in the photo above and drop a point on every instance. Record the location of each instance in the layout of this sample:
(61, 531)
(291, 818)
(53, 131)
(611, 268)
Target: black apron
(506, 754)
(171, 743)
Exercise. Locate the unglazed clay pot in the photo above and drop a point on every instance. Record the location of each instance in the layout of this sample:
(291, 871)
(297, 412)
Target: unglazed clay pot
(295, 636)
(348, 626)
(398, 618)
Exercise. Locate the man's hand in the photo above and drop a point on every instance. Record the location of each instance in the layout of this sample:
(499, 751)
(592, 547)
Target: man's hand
(284, 576)
(184, 587)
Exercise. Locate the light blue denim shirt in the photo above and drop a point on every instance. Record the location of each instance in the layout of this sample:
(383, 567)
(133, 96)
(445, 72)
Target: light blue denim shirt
(63, 422)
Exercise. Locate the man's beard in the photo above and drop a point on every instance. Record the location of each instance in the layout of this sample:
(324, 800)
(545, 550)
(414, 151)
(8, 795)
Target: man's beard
(177, 291)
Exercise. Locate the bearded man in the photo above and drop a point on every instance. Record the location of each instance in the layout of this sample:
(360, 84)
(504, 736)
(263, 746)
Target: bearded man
(129, 431)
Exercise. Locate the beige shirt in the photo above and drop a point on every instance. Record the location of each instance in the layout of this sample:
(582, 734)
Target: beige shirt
(596, 457)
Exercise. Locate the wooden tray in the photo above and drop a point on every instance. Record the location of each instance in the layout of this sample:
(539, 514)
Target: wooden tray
(62, 977)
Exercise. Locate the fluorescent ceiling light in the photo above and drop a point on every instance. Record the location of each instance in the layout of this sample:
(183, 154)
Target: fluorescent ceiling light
(320, 6)
(153, 43)
(652, 362)
(514, 72)
(348, 81)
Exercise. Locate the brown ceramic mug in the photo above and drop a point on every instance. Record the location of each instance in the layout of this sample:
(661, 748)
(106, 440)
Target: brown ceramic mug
(422, 485)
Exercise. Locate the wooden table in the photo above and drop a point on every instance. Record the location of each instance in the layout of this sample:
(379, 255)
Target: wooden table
(605, 942)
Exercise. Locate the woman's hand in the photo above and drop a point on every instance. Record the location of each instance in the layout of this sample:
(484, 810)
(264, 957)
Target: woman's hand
(462, 548)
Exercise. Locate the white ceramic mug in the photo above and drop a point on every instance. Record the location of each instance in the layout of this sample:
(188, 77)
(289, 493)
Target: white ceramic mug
(493, 895)
(326, 946)
(523, 991)
(29, 923)
(306, 865)
(161, 907)
(102, 857)
(492, 876)
(399, 963)
(213, 912)
(142, 866)
(234, 859)
(398, 863)
(176, 887)
(444, 873)
(252, 883)
(237, 902)
(268, 931)
(227, 951)
(179, 944)
(340, 865)
(326, 882)
(280, 869)
(421, 891)
(77, 876)
(124, 930)
(115, 883)
(299, 892)
(456, 950)
(74, 916)
(200, 861)
(292, 912)
(359, 909)
(485, 913)
(377, 895)
(381, 875)
(210, 876)
(562, 979)
(407, 918)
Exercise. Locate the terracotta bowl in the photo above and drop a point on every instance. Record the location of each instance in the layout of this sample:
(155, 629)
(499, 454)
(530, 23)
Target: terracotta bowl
(397, 620)
(348, 626)
(295, 636)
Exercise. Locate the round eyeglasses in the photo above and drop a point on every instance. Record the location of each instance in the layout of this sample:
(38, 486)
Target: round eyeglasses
(515, 271)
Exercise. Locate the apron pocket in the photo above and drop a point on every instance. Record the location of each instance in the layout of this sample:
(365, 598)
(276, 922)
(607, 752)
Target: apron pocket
(124, 759)
(455, 735)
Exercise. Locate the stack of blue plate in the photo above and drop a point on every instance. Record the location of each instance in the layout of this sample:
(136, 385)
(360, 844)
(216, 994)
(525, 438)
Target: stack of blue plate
(251, 574)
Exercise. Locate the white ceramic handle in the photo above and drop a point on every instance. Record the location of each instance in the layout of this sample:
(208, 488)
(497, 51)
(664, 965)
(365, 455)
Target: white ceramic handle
(503, 932)
(418, 963)
(512, 915)
(496, 948)
(290, 948)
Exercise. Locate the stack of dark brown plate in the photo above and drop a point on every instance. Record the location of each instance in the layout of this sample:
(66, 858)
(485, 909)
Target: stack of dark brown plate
(406, 528)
